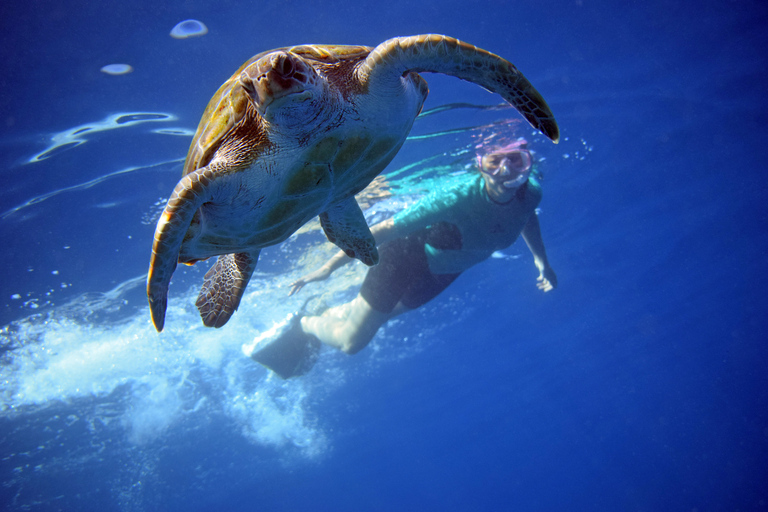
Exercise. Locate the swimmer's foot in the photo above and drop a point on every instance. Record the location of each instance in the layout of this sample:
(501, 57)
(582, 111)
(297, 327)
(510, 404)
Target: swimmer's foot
(285, 349)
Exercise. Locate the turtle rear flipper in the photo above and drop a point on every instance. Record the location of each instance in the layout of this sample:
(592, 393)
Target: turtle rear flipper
(224, 287)
(344, 225)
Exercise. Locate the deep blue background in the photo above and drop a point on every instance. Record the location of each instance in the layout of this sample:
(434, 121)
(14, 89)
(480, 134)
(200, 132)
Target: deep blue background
(639, 384)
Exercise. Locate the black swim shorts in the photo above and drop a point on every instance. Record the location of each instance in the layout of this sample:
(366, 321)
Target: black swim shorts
(403, 274)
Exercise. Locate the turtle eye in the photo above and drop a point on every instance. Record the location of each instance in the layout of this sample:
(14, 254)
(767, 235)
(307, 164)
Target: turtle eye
(284, 65)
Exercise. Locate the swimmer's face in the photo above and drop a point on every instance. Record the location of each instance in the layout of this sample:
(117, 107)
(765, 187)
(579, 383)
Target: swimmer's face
(510, 169)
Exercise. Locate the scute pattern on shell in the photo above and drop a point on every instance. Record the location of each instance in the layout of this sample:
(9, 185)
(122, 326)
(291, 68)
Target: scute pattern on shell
(229, 106)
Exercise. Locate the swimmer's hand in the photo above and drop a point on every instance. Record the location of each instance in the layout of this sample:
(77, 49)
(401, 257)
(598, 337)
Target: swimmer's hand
(547, 279)
(320, 274)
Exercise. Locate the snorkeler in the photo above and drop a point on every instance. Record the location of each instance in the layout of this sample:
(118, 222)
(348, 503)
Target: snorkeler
(425, 247)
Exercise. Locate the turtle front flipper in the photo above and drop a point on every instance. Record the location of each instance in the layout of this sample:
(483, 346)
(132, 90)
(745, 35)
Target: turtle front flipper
(224, 286)
(344, 225)
(392, 60)
(187, 197)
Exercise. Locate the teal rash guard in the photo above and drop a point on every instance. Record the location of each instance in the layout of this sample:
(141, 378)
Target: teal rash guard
(485, 226)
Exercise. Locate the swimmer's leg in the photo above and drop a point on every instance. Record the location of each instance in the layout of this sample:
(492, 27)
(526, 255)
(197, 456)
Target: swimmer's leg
(349, 327)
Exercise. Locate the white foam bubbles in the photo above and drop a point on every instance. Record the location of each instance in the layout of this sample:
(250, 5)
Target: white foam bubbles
(275, 415)
(70, 360)
(156, 406)
(147, 376)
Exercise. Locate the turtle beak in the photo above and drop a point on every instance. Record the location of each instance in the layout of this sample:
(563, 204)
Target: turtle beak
(276, 76)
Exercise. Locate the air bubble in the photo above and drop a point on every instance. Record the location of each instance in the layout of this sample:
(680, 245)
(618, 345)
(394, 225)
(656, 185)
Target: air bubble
(117, 69)
(189, 28)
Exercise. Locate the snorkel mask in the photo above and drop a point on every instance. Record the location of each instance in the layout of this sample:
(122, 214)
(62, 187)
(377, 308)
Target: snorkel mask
(511, 164)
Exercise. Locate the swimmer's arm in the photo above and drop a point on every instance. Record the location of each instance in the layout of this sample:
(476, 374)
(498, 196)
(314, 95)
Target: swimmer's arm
(382, 232)
(547, 279)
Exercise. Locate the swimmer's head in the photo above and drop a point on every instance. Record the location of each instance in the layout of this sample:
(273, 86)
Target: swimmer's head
(510, 164)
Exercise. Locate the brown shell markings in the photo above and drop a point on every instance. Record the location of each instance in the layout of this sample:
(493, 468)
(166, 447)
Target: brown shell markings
(229, 105)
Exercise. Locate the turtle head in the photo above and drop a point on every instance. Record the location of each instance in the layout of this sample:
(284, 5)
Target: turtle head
(280, 80)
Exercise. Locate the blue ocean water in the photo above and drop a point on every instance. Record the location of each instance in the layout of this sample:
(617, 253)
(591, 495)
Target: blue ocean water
(638, 384)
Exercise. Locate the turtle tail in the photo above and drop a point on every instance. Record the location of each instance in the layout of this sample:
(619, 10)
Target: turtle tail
(434, 53)
(185, 200)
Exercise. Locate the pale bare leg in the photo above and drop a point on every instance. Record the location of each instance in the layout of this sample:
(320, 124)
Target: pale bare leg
(349, 327)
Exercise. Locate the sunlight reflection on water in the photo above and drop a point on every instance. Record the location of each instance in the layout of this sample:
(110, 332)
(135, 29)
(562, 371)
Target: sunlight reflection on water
(73, 137)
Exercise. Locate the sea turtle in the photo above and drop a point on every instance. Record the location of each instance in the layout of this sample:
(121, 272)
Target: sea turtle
(297, 132)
